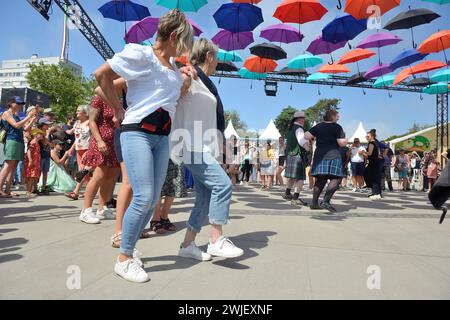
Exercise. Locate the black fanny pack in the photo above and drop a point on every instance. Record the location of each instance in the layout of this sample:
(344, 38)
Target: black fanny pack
(158, 122)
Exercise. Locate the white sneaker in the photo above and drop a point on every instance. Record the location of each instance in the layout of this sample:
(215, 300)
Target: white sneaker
(131, 271)
(137, 257)
(105, 214)
(87, 216)
(192, 251)
(224, 248)
(375, 197)
(354, 190)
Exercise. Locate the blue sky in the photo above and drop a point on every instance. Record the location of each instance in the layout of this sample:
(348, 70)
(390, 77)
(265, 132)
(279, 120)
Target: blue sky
(24, 32)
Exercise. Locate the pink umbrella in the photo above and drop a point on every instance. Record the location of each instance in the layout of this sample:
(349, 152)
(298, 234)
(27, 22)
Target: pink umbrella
(318, 46)
(378, 71)
(197, 30)
(230, 41)
(142, 30)
(379, 40)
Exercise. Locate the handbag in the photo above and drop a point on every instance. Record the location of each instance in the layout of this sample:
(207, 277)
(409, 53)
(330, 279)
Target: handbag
(2, 132)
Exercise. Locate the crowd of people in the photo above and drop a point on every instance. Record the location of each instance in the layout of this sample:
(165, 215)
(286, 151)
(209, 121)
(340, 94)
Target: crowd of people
(143, 104)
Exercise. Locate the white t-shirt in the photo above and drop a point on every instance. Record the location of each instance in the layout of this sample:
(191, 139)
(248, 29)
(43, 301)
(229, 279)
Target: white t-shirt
(151, 85)
(82, 135)
(300, 135)
(356, 157)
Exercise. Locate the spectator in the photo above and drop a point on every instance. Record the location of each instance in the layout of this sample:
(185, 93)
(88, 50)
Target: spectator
(33, 161)
(357, 165)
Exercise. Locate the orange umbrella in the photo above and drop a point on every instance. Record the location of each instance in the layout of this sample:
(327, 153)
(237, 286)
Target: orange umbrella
(436, 42)
(358, 8)
(260, 65)
(419, 68)
(300, 11)
(333, 68)
(356, 55)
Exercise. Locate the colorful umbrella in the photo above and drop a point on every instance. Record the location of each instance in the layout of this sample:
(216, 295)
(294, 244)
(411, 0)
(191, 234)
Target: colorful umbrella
(197, 30)
(318, 77)
(269, 51)
(419, 68)
(247, 1)
(260, 65)
(304, 61)
(358, 8)
(226, 66)
(228, 56)
(377, 71)
(384, 81)
(238, 17)
(438, 1)
(441, 76)
(436, 42)
(232, 41)
(356, 55)
(438, 88)
(318, 46)
(124, 10)
(300, 11)
(293, 72)
(282, 33)
(410, 19)
(142, 30)
(343, 28)
(419, 82)
(333, 68)
(406, 58)
(245, 73)
(183, 5)
(355, 79)
(379, 40)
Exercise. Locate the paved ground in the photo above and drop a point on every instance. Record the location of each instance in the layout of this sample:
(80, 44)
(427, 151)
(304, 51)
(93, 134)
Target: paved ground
(290, 253)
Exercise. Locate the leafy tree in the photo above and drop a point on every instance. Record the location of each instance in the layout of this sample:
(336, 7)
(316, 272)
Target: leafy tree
(235, 118)
(317, 111)
(283, 121)
(66, 89)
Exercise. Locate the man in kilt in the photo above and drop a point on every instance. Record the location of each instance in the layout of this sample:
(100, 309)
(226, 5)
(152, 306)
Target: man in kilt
(296, 159)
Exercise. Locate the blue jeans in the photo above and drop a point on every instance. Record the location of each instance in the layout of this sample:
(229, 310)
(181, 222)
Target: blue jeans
(212, 193)
(146, 157)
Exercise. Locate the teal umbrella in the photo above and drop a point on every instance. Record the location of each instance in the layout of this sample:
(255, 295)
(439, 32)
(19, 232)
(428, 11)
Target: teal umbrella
(304, 61)
(441, 76)
(437, 88)
(228, 56)
(384, 81)
(245, 73)
(183, 5)
(438, 1)
(318, 76)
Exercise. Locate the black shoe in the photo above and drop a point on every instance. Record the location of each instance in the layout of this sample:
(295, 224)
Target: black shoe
(328, 206)
(315, 207)
(298, 202)
(81, 174)
(287, 196)
(111, 204)
(43, 193)
(35, 191)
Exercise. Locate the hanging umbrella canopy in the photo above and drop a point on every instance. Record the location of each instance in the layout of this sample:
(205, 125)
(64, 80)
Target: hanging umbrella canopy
(245, 73)
(124, 10)
(304, 61)
(419, 82)
(229, 41)
(384, 81)
(300, 11)
(406, 58)
(410, 19)
(269, 51)
(333, 68)
(438, 88)
(438, 1)
(356, 55)
(441, 76)
(379, 40)
(318, 77)
(260, 65)
(247, 1)
(226, 66)
(318, 46)
(197, 30)
(228, 56)
(343, 28)
(293, 72)
(355, 79)
(182, 5)
(436, 42)
(378, 71)
(358, 8)
(419, 68)
(142, 30)
(281, 33)
(238, 17)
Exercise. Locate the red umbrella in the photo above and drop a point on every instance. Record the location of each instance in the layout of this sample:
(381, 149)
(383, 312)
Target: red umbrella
(260, 65)
(436, 42)
(419, 68)
(333, 68)
(300, 11)
(358, 8)
(356, 55)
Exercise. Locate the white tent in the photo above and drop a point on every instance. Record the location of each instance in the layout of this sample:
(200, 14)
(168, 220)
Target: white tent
(359, 133)
(271, 132)
(230, 131)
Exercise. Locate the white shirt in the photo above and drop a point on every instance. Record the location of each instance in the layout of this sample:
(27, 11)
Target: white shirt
(300, 135)
(356, 157)
(151, 85)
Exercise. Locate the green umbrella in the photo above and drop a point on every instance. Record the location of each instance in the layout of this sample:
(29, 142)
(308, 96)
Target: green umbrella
(232, 56)
(384, 81)
(318, 76)
(437, 88)
(244, 73)
(438, 1)
(441, 76)
(304, 61)
(183, 5)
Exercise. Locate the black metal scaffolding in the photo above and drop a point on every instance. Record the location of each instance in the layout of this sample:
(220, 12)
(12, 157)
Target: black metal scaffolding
(441, 123)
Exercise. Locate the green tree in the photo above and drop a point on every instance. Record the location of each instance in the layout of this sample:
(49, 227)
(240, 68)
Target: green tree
(66, 89)
(317, 111)
(283, 121)
(235, 118)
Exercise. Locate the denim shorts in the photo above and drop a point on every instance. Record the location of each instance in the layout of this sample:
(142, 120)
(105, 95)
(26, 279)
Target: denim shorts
(402, 174)
(358, 169)
(45, 165)
(117, 147)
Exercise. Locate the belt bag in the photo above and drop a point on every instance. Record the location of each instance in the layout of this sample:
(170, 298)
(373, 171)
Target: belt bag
(158, 122)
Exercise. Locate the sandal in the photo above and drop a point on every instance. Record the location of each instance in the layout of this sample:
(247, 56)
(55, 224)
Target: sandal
(5, 195)
(72, 195)
(31, 195)
(13, 194)
(158, 227)
(169, 226)
(145, 235)
(115, 240)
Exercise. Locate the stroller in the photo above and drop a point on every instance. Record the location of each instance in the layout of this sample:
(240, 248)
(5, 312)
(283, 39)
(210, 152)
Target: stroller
(440, 192)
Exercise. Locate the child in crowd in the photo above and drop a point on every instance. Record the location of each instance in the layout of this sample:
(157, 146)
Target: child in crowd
(33, 161)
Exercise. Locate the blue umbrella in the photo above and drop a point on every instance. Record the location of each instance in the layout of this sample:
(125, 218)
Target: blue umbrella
(406, 58)
(343, 28)
(438, 88)
(441, 76)
(318, 77)
(124, 10)
(238, 17)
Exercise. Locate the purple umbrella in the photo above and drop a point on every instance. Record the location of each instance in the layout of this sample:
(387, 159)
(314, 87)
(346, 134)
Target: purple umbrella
(281, 33)
(142, 30)
(197, 30)
(379, 40)
(378, 71)
(319, 46)
(230, 41)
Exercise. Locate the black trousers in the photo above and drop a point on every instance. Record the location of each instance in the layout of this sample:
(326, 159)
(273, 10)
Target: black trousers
(246, 170)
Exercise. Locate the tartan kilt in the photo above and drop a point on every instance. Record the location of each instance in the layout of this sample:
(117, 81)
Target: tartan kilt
(331, 167)
(295, 169)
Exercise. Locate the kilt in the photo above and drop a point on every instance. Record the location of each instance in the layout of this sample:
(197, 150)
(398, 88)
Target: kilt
(295, 168)
(331, 167)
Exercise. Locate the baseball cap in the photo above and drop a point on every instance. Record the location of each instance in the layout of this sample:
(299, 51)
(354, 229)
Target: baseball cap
(17, 99)
(299, 114)
(44, 121)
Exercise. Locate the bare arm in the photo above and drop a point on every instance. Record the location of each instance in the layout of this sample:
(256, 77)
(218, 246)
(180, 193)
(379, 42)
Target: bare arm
(105, 77)
(17, 124)
(30, 124)
(342, 142)
(56, 159)
(120, 85)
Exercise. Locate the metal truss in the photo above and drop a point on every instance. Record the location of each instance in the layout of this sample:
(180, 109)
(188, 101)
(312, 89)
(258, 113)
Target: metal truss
(442, 122)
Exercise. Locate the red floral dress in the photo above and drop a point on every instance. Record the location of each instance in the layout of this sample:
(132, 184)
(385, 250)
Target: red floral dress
(35, 150)
(93, 157)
